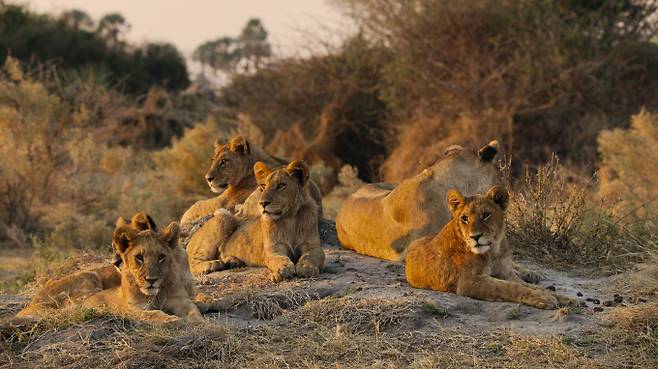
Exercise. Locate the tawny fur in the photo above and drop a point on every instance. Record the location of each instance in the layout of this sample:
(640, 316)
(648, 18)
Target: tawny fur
(381, 219)
(466, 258)
(284, 238)
(152, 285)
(230, 176)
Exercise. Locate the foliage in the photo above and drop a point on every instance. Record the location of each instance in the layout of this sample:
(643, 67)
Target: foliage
(293, 96)
(71, 41)
(530, 73)
(244, 53)
(628, 166)
(553, 218)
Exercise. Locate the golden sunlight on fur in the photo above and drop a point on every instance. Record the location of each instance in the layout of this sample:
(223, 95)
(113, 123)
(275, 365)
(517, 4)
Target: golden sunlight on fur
(152, 284)
(382, 219)
(466, 256)
(231, 177)
(284, 238)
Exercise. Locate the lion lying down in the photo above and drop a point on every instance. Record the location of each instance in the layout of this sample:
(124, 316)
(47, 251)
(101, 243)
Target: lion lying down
(382, 220)
(153, 283)
(284, 238)
(231, 177)
(466, 257)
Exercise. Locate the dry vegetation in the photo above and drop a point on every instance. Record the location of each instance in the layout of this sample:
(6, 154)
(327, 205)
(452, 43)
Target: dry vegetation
(549, 78)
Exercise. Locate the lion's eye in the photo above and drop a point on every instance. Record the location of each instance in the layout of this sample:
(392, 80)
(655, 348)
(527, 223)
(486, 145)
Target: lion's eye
(161, 258)
(280, 186)
(486, 215)
(223, 162)
(139, 258)
(464, 219)
(262, 188)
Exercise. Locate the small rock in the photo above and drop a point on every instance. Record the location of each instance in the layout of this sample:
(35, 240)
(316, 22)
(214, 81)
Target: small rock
(598, 308)
(594, 301)
(618, 298)
(551, 288)
(582, 304)
(579, 294)
(642, 299)
(608, 303)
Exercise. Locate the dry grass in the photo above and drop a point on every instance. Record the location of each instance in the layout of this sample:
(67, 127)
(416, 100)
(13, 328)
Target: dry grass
(336, 332)
(555, 218)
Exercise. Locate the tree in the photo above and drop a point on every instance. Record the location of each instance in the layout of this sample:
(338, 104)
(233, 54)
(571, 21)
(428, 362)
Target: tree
(77, 19)
(244, 53)
(111, 27)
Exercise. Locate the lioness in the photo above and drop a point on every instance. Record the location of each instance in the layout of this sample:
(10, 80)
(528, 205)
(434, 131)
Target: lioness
(151, 286)
(381, 219)
(231, 177)
(466, 257)
(284, 238)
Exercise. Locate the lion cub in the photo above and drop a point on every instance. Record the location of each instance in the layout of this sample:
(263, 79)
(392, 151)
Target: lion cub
(151, 285)
(284, 238)
(465, 255)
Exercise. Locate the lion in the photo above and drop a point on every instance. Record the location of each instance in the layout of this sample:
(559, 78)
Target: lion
(382, 219)
(285, 238)
(153, 279)
(466, 257)
(230, 176)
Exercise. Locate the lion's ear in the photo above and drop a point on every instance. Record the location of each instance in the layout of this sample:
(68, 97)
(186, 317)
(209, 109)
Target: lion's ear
(218, 142)
(298, 170)
(499, 196)
(122, 222)
(455, 200)
(240, 145)
(261, 171)
(171, 234)
(122, 238)
(143, 222)
(489, 151)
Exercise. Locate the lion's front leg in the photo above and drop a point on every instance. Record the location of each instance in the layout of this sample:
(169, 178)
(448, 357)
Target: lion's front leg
(278, 262)
(203, 248)
(492, 289)
(311, 260)
(185, 308)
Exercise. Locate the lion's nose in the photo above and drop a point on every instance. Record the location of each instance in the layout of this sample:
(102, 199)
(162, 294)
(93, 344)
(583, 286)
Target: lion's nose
(151, 280)
(265, 203)
(476, 237)
(209, 178)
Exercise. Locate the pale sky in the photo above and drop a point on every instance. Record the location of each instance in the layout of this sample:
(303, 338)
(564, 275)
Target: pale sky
(186, 24)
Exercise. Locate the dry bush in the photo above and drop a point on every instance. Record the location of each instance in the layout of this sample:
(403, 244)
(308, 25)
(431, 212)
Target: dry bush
(628, 170)
(424, 140)
(554, 217)
(546, 68)
(348, 183)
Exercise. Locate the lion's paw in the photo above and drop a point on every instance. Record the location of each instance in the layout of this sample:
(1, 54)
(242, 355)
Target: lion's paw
(528, 276)
(566, 301)
(543, 300)
(286, 271)
(307, 270)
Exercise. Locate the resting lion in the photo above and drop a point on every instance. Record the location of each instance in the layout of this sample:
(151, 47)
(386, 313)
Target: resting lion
(466, 257)
(152, 284)
(284, 238)
(231, 177)
(382, 219)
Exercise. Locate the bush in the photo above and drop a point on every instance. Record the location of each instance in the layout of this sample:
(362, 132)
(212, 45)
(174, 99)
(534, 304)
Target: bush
(555, 218)
(533, 74)
(628, 165)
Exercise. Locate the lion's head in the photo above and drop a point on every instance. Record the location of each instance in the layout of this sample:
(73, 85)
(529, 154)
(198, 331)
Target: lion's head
(139, 222)
(282, 190)
(147, 256)
(480, 219)
(230, 164)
